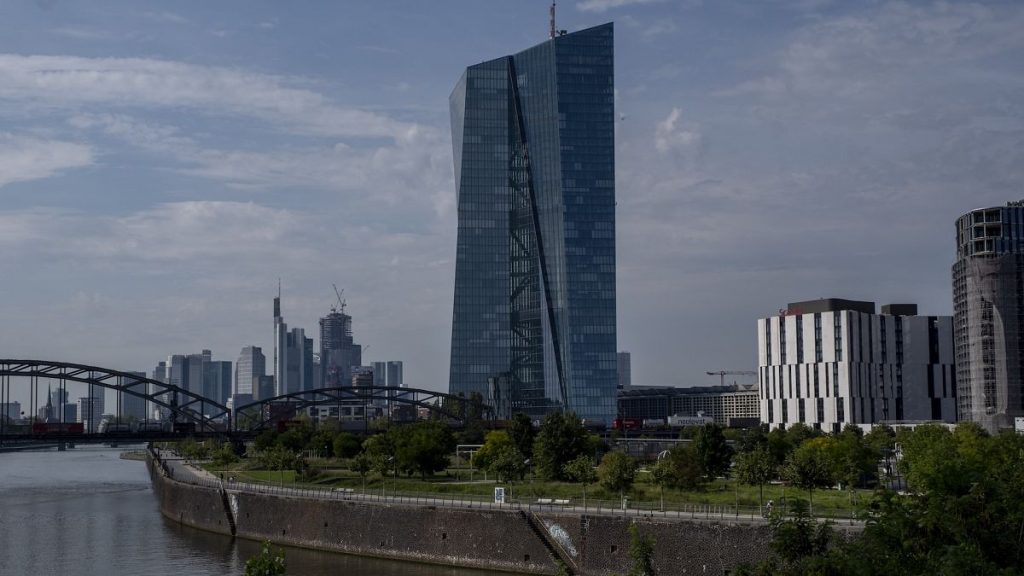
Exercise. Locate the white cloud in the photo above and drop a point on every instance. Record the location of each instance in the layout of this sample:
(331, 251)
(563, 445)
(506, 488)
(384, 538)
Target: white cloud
(73, 82)
(659, 28)
(605, 5)
(396, 174)
(674, 136)
(166, 17)
(24, 158)
(79, 33)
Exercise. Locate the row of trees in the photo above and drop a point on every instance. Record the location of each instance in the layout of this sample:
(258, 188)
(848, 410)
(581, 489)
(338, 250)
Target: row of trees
(964, 514)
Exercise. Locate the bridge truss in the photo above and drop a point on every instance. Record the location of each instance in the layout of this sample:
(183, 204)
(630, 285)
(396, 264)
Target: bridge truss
(266, 413)
(183, 405)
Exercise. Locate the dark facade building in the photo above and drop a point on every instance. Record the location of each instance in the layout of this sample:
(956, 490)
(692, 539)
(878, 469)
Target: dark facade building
(728, 405)
(988, 303)
(534, 327)
(338, 351)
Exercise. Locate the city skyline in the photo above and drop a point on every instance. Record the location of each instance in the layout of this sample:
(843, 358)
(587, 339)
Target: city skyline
(159, 174)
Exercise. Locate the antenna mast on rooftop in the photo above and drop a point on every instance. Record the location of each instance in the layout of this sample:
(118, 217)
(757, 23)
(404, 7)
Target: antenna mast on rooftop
(553, 31)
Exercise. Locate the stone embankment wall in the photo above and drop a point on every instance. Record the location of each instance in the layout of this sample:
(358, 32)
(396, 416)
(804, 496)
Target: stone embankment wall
(513, 541)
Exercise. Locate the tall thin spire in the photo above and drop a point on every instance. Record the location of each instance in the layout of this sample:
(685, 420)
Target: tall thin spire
(553, 32)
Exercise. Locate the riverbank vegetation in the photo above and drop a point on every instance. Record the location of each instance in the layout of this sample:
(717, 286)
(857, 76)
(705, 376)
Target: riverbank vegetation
(934, 500)
(963, 513)
(561, 460)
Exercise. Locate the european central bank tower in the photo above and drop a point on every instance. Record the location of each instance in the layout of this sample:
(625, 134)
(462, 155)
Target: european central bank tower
(533, 328)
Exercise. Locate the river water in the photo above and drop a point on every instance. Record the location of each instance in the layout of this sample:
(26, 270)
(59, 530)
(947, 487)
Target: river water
(86, 512)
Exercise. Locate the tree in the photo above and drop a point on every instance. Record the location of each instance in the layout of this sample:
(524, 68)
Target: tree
(713, 453)
(361, 464)
(380, 451)
(322, 442)
(225, 455)
(500, 456)
(755, 468)
(963, 515)
(265, 440)
(495, 440)
(852, 460)
(641, 552)
(508, 463)
(296, 437)
(662, 473)
(581, 470)
(682, 468)
(522, 433)
(617, 471)
(266, 563)
(754, 438)
(561, 439)
(799, 536)
(280, 459)
(808, 467)
(345, 445)
(423, 447)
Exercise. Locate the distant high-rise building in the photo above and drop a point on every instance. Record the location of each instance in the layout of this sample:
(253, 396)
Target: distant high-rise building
(293, 356)
(250, 367)
(160, 374)
(131, 407)
(177, 371)
(362, 376)
(198, 374)
(831, 362)
(534, 327)
(10, 410)
(58, 396)
(90, 411)
(266, 388)
(624, 369)
(195, 372)
(280, 341)
(70, 412)
(988, 313)
(338, 350)
(217, 378)
(388, 373)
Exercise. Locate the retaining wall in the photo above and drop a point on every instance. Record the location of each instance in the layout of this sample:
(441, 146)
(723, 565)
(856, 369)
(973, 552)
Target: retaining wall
(488, 539)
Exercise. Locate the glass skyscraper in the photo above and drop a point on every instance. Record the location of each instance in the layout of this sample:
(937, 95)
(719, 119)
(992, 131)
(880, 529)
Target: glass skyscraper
(533, 328)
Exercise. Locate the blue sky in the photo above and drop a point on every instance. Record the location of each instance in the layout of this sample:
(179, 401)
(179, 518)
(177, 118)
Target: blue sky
(162, 164)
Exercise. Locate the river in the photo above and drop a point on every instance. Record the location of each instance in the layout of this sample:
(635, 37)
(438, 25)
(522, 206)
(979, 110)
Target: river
(87, 512)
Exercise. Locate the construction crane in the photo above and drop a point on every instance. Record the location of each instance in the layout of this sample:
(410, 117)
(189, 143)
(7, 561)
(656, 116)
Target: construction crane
(723, 373)
(338, 293)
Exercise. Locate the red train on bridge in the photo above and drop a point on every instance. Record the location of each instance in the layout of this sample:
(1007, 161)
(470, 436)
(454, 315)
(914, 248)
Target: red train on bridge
(58, 428)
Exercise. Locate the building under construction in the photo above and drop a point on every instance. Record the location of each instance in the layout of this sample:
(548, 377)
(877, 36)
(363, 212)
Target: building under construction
(338, 351)
(988, 304)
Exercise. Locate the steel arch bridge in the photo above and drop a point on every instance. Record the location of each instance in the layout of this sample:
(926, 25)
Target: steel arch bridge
(182, 404)
(262, 414)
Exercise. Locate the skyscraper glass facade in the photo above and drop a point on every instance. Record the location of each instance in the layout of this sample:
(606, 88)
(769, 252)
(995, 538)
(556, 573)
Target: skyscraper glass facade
(534, 327)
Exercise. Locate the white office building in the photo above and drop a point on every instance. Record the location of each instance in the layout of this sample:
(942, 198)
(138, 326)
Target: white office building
(830, 362)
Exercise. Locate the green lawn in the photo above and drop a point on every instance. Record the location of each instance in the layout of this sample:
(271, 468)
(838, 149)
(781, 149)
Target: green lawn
(644, 493)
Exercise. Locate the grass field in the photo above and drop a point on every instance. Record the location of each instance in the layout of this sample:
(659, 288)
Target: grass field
(455, 482)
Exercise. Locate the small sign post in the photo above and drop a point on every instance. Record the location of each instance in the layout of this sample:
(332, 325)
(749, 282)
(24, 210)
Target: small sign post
(499, 495)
